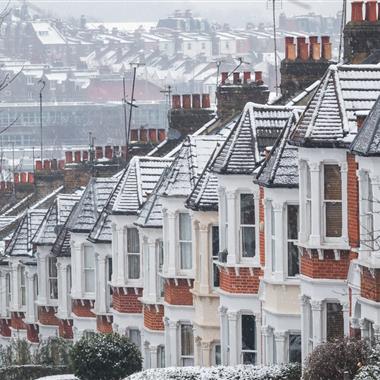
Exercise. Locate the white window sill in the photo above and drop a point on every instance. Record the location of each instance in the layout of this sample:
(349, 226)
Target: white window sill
(341, 245)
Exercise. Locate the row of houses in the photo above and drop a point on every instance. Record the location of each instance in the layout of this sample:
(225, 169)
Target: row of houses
(252, 242)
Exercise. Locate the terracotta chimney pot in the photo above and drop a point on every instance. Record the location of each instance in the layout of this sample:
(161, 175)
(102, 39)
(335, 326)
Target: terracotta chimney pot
(236, 76)
(176, 101)
(357, 11)
(186, 102)
(370, 10)
(224, 77)
(196, 101)
(316, 51)
(246, 76)
(205, 100)
(304, 52)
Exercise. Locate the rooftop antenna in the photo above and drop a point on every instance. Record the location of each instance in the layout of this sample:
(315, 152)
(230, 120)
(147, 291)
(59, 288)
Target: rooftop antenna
(343, 23)
(168, 95)
(275, 40)
(218, 64)
(43, 84)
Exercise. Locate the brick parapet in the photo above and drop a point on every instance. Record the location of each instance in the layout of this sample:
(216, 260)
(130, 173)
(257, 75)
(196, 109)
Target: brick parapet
(126, 300)
(178, 292)
(154, 317)
(240, 280)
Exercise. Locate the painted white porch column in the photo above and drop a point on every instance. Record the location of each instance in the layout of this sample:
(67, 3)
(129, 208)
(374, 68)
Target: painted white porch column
(204, 259)
(223, 334)
(171, 244)
(233, 338)
(101, 284)
(303, 167)
(42, 278)
(232, 246)
(63, 291)
(151, 270)
(30, 299)
(375, 255)
(153, 356)
(344, 170)
(363, 328)
(346, 318)
(280, 339)
(268, 344)
(3, 294)
(316, 309)
(278, 212)
(119, 256)
(173, 346)
(259, 354)
(315, 175)
(267, 229)
(76, 265)
(376, 329)
(205, 354)
(305, 320)
(363, 209)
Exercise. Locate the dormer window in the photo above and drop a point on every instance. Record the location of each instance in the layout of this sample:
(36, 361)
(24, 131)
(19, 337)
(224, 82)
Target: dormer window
(247, 225)
(185, 245)
(332, 201)
(133, 253)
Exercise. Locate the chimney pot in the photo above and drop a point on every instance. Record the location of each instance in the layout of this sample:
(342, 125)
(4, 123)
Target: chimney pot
(143, 134)
(134, 135)
(205, 100)
(304, 52)
(54, 164)
(16, 178)
(370, 10)
(77, 156)
(196, 101)
(98, 152)
(312, 40)
(259, 77)
(316, 51)
(108, 152)
(24, 177)
(327, 51)
(61, 164)
(38, 165)
(186, 104)
(247, 76)
(47, 165)
(291, 52)
(85, 155)
(224, 77)
(300, 41)
(357, 11)
(161, 135)
(30, 177)
(69, 157)
(236, 76)
(176, 100)
(153, 135)
(288, 41)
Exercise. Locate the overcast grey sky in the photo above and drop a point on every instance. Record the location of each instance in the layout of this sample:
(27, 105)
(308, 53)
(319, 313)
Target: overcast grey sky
(236, 12)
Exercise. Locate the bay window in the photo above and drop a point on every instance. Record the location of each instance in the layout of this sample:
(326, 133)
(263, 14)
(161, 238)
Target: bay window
(22, 286)
(89, 269)
(292, 236)
(248, 339)
(53, 278)
(185, 244)
(133, 253)
(332, 201)
(247, 225)
(187, 345)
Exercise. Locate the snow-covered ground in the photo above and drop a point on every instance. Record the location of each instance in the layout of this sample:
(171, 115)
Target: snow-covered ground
(58, 377)
(248, 372)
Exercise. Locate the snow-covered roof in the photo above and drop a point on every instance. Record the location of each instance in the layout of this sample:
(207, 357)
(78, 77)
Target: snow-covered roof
(258, 127)
(280, 168)
(48, 34)
(21, 241)
(55, 218)
(329, 119)
(367, 141)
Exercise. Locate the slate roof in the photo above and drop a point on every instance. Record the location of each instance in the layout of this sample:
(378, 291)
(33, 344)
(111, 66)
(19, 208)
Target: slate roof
(329, 119)
(258, 127)
(55, 218)
(188, 165)
(280, 168)
(21, 241)
(138, 182)
(367, 141)
(91, 204)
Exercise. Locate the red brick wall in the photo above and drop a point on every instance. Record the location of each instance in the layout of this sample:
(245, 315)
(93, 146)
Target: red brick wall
(46, 316)
(82, 308)
(153, 317)
(17, 321)
(244, 282)
(32, 333)
(178, 292)
(262, 231)
(127, 301)
(66, 329)
(103, 325)
(353, 202)
(5, 329)
(370, 284)
(328, 267)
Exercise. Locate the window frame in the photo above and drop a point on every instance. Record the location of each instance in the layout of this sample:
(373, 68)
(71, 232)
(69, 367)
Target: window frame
(183, 357)
(241, 225)
(272, 238)
(248, 351)
(52, 278)
(214, 257)
(88, 270)
(22, 276)
(181, 242)
(8, 292)
(290, 240)
(331, 239)
(134, 255)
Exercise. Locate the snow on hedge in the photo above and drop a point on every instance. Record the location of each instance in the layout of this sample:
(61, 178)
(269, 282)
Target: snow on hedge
(242, 372)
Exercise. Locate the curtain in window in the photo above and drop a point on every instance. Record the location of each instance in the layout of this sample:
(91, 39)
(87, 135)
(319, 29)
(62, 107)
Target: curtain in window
(89, 270)
(133, 267)
(248, 336)
(53, 278)
(333, 200)
(22, 286)
(133, 242)
(247, 222)
(187, 340)
(295, 348)
(293, 254)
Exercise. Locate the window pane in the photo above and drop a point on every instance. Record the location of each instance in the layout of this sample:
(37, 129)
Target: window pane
(52, 267)
(248, 241)
(89, 281)
(334, 321)
(215, 241)
(333, 219)
(133, 266)
(247, 209)
(53, 285)
(160, 247)
(161, 356)
(249, 358)
(333, 183)
(89, 258)
(133, 243)
(295, 348)
(248, 332)
(187, 341)
(216, 274)
(293, 222)
(293, 259)
(135, 337)
(218, 355)
(184, 227)
(186, 255)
